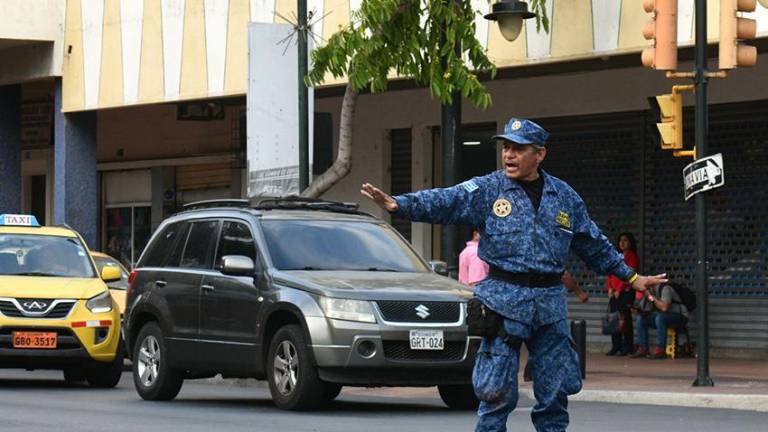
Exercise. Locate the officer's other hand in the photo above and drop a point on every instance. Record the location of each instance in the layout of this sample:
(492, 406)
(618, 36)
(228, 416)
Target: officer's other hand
(584, 297)
(643, 283)
(381, 199)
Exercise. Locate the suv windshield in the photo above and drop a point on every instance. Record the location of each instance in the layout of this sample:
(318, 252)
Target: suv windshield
(39, 255)
(331, 245)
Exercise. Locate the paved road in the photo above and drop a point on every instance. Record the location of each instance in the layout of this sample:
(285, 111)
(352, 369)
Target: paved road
(41, 401)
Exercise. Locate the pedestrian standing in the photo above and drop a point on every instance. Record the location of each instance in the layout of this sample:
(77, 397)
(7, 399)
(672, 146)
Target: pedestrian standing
(472, 269)
(528, 221)
(621, 297)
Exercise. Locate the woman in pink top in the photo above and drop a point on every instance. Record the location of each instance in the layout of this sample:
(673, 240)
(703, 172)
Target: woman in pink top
(621, 296)
(471, 268)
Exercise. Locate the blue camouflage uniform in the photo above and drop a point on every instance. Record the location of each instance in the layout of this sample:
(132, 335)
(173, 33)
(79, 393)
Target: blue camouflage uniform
(518, 239)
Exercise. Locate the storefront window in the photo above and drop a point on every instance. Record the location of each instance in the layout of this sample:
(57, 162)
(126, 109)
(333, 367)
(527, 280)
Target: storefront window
(128, 231)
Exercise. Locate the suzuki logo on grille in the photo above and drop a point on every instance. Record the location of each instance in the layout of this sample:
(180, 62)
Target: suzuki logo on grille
(422, 311)
(35, 305)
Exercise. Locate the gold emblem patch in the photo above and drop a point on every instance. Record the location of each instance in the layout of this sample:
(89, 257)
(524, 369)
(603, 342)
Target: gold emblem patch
(502, 207)
(516, 125)
(563, 219)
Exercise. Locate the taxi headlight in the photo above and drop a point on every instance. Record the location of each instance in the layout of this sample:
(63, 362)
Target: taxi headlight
(349, 310)
(100, 303)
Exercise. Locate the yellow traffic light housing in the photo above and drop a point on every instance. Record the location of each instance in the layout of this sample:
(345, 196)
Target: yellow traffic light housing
(671, 126)
(733, 29)
(663, 30)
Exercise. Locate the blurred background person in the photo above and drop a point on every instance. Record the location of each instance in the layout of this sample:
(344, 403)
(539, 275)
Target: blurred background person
(621, 296)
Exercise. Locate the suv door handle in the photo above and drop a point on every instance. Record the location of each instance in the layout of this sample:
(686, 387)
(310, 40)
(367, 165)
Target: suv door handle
(207, 288)
(160, 283)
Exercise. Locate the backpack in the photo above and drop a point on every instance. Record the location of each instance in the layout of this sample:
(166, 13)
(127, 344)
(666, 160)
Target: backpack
(687, 296)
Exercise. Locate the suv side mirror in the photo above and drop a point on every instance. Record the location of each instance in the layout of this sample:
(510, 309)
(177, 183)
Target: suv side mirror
(439, 267)
(237, 265)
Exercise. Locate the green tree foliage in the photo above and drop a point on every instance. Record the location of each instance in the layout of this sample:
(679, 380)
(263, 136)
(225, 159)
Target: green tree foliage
(416, 39)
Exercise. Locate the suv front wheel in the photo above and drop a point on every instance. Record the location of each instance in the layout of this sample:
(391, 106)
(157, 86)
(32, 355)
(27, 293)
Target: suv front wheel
(153, 378)
(293, 380)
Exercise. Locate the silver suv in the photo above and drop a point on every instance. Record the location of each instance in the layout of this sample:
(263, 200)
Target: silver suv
(310, 295)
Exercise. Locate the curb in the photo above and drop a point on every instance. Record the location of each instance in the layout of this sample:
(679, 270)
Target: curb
(744, 402)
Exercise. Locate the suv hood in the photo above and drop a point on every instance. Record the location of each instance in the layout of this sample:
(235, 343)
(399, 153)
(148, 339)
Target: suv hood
(50, 287)
(371, 285)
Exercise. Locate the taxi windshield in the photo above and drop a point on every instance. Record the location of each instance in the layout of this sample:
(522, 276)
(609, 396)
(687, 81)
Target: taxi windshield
(40, 255)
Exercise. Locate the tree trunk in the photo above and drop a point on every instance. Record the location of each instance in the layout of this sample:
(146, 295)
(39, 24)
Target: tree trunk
(343, 163)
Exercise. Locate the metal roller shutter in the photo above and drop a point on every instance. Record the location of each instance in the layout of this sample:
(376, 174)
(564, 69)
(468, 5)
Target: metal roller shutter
(400, 173)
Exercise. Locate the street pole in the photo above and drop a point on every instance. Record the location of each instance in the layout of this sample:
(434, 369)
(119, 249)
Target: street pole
(301, 11)
(450, 134)
(702, 280)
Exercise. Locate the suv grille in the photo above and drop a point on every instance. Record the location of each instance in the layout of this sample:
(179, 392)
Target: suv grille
(65, 339)
(419, 312)
(60, 310)
(401, 350)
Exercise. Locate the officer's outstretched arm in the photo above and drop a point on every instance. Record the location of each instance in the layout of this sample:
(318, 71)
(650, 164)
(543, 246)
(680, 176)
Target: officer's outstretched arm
(379, 197)
(462, 203)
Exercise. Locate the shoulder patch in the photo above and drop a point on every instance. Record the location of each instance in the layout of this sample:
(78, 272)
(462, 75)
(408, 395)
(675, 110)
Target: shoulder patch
(470, 185)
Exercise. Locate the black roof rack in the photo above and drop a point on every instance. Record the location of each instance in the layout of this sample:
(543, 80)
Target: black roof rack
(228, 202)
(305, 203)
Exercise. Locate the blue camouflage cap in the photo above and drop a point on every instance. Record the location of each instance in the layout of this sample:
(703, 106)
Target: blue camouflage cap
(523, 131)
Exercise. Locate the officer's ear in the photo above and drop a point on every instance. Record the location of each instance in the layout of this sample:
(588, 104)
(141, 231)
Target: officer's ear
(541, 153)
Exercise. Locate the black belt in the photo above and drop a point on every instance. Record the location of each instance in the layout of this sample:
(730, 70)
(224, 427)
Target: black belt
(532, 280)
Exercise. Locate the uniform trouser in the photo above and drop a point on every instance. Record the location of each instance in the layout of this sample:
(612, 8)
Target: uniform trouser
(556, 374)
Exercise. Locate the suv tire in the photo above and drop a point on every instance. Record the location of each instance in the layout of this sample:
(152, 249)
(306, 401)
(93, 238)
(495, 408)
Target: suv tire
(107, 376)
(159, 381)
(293, 380)
(458, 396)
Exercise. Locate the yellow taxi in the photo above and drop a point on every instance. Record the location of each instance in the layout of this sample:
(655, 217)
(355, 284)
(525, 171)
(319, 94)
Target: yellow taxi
(55, 309)
(116, 288)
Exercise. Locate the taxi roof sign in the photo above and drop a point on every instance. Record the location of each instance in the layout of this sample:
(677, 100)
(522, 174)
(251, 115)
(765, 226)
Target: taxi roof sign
(18, 220)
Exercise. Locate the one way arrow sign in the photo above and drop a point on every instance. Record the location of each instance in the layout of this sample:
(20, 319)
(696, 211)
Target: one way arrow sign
(703, 174)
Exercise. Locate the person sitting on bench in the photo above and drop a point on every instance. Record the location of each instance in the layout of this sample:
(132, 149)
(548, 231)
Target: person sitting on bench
(667, 310)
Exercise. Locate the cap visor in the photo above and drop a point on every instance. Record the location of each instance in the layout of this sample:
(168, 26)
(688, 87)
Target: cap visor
(514, 138)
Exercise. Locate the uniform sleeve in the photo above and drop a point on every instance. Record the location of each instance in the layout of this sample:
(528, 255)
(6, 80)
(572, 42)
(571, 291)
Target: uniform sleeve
(453, 205)
(594, 248)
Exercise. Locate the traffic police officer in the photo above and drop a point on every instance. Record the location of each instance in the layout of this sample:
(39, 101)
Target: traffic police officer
(529, 220)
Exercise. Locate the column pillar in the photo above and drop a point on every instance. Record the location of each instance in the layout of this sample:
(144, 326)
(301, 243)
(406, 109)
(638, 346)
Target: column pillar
(10, 149)
(75, 199)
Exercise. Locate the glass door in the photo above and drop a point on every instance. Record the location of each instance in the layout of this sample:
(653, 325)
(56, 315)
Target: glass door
(127, 232)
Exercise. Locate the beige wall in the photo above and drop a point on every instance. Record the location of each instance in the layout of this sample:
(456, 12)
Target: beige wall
(31, 39)
(152, 132)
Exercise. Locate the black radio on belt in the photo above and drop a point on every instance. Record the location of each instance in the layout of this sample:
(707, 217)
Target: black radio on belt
(531, 279)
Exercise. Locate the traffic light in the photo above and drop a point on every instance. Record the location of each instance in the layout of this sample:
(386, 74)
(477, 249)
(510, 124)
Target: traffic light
(662, 28)
(671, 126)
(734, 28)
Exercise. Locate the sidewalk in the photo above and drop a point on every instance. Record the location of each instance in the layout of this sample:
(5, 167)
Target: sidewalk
(739, 384)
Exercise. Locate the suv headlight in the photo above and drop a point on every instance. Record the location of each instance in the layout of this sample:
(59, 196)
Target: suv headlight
(349, 310)
(100, 303)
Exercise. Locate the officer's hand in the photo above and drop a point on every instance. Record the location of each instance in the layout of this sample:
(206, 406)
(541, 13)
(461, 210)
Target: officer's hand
(643, 283)
(381, 199)
(584, 297)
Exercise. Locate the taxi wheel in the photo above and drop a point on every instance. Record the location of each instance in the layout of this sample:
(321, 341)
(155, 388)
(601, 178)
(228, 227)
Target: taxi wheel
(107, 376)
(458, 396)
(153, 378)
(74, 375)
(293, 380)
